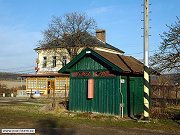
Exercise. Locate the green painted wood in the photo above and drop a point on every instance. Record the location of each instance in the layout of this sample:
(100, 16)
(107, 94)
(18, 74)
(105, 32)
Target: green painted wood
(136, 96)
(106, 96)
(87, 64)
(101, 62)
(131, 100)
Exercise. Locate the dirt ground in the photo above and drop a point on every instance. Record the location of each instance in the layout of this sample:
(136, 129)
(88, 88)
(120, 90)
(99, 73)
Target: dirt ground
(98, 131)
(86, 130)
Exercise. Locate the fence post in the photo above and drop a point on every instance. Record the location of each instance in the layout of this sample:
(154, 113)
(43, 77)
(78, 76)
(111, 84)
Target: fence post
(31, 94)
(65, 98)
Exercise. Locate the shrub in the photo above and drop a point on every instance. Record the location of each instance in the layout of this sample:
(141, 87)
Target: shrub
(161, 113)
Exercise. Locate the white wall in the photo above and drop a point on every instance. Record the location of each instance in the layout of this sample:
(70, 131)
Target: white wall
(59, 53)
(49, 53)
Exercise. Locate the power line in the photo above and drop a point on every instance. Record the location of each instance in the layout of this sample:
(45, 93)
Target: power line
(20, 70)
(141, 52)
(16, 68)
(24, 71)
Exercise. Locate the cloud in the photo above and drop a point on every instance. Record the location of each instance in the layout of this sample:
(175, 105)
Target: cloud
(99, 10)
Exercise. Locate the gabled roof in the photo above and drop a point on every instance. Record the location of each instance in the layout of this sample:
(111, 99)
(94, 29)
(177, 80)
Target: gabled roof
(126, 63)
(112, 47)
(120, 63)
(104, 45)
(90, 41)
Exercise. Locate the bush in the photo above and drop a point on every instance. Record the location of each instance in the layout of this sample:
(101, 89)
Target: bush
(161, 113)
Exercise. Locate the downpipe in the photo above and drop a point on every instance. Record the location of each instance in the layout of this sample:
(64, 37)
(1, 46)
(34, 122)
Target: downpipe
(121, 104)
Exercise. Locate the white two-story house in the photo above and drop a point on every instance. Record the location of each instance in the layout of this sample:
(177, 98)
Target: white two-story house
(47, 80)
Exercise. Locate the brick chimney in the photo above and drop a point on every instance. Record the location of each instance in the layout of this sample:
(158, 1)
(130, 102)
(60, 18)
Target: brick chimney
(101, 35)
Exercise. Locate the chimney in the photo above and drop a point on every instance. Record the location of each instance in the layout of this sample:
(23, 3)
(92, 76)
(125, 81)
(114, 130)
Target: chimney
(101, 35)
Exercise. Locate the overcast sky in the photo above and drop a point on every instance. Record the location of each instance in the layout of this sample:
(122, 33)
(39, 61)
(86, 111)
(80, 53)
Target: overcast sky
(22, 23)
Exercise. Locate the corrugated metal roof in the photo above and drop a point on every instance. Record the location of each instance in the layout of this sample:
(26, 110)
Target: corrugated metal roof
(126, 63)
(115, 59)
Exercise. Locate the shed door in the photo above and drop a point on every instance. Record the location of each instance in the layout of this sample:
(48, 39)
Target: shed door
(106, 96)
(136, 96)
(78, 100)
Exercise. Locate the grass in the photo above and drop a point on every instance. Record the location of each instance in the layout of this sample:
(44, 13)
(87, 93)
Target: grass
(31, 116)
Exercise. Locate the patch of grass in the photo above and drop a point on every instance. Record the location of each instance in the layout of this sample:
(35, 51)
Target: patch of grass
(31, 115)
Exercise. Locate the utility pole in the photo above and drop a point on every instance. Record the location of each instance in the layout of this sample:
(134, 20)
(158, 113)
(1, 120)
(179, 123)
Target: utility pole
(146, 55)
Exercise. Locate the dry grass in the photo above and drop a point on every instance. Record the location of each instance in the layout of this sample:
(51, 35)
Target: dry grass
(12, 84)
(33, 115)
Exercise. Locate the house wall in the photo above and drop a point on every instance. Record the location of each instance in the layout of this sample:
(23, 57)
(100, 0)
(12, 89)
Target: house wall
(106, 95)
(59, 53)
(111, 94)
(49, 53)
(59, 84)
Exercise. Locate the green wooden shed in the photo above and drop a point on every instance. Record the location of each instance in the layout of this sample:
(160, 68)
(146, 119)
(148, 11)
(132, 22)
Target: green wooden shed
(117, 83)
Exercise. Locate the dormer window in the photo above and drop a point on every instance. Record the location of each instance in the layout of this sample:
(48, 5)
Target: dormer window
(54, 61)
(64, 60)
(44, 62)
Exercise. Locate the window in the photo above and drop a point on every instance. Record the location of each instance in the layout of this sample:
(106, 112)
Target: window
(41, 83)
(54, 61)
(61, 83)
(31, 83)
(44, 62)
(36, 83)
(64, 60)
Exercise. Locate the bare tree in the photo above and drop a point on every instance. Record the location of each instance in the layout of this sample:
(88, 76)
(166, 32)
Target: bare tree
(72, 31)
(168, 57)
